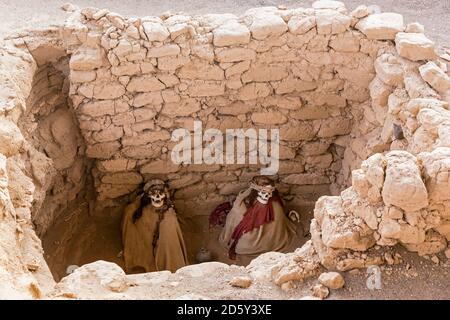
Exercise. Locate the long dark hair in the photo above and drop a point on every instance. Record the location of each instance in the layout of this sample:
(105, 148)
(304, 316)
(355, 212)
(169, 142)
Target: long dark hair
(146, 200)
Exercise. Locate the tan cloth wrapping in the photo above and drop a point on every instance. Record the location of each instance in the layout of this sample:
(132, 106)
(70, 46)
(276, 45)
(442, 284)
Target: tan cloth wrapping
(277, 235)
(137, 239)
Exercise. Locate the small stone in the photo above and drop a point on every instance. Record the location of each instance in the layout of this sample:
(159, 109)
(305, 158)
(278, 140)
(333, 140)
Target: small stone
(381, 26)
(447, 253)
(231, 33)
(332, 280)
(435, 76)
(155, 31)
(287, 286)
(435, 259)
(389, 258)
(415, 27)
(397, 258)
(241, 282)
(266, 25)
(32, 267)
(414, 46)
(354, 272)
(320, 291)
(360, 12)
(69, 7)
(71, 268)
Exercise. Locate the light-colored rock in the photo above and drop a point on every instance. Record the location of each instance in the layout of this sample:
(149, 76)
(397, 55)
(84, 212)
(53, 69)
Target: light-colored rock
(320, 291)
(332, 280)
(331, 22)
(381, 26)
(436, 167)
(268, 118)
(435, 76)
(155, 31)
(264, 73)
(447, 254)
(414, 46)
(403, 185)
(389, 70)
(301, 24)
(108, 90)
(163, 51)
(241, 282)
(266, 25)
(92, 280)
(145, 83)
(231, 33)
(360, 12)
(415, 27)
(235, 55)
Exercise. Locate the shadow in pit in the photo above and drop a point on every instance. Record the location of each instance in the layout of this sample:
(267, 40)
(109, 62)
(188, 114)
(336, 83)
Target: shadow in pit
(78, 237)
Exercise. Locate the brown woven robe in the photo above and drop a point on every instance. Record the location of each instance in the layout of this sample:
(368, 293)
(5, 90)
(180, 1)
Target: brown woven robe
(137, 238)
(277, 235)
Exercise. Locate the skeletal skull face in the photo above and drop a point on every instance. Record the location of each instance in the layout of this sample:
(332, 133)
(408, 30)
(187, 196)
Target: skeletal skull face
(158, 197)
(264, 195)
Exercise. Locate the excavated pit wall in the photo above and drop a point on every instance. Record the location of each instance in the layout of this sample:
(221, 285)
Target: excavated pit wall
(134, 82)
(321, 63)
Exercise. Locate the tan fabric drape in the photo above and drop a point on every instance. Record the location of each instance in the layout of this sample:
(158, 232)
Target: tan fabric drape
(277, 235)
(137, 239)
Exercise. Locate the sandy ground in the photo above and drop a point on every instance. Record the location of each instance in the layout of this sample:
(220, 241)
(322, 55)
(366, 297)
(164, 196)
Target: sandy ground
(17, 15)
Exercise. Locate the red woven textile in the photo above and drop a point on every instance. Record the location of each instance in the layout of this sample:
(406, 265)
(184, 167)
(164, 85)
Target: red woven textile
(255, 216)
(219, 215)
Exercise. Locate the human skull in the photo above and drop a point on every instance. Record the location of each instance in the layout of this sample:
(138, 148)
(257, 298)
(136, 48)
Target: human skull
(264, 196)
(157, 197)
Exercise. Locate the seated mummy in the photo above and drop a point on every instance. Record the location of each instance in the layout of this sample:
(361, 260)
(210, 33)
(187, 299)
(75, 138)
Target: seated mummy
(151, 235)
(257, 222)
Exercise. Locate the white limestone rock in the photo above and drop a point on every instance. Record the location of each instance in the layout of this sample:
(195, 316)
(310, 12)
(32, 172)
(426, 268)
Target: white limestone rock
(381, 26)
(231, 33)
(265, 25)
(403, 185)
(155, 31)
(415, 27)
(332, 280)
(435, 76)
(415, 46)
(93, 280)
(332, 22)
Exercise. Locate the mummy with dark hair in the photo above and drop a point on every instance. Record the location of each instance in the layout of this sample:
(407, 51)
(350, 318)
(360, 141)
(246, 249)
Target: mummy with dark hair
(151, 234)
(155, 193)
